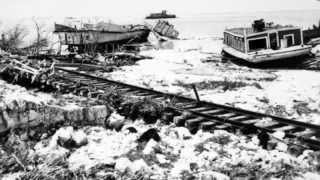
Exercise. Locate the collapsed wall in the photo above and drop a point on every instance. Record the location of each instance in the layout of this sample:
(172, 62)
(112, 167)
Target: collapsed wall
(29, 114)
(20, 108)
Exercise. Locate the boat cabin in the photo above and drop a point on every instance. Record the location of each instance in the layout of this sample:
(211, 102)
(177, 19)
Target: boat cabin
(263, 38)
(255, 38)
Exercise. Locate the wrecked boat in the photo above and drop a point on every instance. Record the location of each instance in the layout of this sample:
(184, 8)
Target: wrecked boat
(265, 42)
(164, 28)
(102, 37)
(311, 36)
(162, 15)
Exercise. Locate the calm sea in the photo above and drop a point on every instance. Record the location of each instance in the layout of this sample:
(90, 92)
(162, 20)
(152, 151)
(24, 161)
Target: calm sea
(212, 25)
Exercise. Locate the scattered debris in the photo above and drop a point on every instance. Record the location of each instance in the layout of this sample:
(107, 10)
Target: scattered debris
(225, 85)
(149, 134)
(147, 109)
(310, 35)
(164, 28)
(115, 121)
(132, 129)
(68, 138)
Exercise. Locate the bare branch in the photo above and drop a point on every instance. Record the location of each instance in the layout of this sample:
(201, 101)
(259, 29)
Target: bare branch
(41, 40)
(12, 39)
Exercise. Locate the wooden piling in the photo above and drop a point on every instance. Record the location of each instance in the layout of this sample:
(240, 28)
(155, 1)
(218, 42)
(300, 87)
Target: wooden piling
(195, 92)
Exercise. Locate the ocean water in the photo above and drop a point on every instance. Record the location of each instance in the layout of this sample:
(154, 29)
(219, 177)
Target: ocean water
(193, 26)
(213, 25)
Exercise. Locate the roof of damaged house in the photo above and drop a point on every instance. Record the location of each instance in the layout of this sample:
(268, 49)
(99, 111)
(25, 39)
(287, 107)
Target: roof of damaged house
(63, 28)
(101, 27)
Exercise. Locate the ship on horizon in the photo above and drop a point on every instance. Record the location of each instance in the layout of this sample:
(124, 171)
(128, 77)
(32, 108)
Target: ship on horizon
(162, 15)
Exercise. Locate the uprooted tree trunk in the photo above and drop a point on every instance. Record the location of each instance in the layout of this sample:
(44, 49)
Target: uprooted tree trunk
(41, 39)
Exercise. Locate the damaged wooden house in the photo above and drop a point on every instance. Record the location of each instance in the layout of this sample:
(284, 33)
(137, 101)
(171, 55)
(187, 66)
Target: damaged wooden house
(101, 37)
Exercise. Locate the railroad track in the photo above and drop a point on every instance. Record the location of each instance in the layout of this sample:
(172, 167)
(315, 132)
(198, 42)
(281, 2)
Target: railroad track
(203, 115)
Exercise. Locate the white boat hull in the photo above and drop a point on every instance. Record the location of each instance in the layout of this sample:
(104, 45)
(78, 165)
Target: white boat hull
(269, 54)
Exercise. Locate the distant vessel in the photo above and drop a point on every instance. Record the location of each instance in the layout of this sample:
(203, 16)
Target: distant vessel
(264, 42)
(162, 15)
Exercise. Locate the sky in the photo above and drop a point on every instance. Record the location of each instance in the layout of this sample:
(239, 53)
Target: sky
(136, 8)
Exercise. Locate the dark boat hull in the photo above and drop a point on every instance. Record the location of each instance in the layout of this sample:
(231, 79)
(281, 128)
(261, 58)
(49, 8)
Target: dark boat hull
(103, 37)
(162, 17)
(286, 63)
(110, 46)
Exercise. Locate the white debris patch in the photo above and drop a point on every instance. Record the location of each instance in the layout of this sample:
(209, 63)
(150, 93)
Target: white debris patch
(103, 148)
(176, 156)
(183, 64)
(316, 50)
(11, 92)
(19, 94)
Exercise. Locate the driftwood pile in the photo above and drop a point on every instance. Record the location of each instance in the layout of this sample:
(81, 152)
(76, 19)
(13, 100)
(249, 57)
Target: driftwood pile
(22, 69)
(105, 62)
(121, 59)
(99, 59)
(312, 64)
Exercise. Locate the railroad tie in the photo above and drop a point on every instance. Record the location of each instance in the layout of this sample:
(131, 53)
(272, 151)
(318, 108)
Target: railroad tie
(142, 94)
(193, 124)
(207, 126)
(99, 84)
(267, 124)
(305, 134)
(227, 115)
(236, 118)
(285, 128)
(157, 97)
(250, 121)
(220, 112)
(188, 105)
(244, 119)
(181, 121)
(200, 109)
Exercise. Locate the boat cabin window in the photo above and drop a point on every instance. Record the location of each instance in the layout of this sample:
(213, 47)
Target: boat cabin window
(234, 42)
(287, 41)
(257, 44)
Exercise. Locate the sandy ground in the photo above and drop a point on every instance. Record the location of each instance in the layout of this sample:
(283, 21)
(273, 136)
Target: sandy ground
(287, 93)
(11, 92)
(179, 154)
